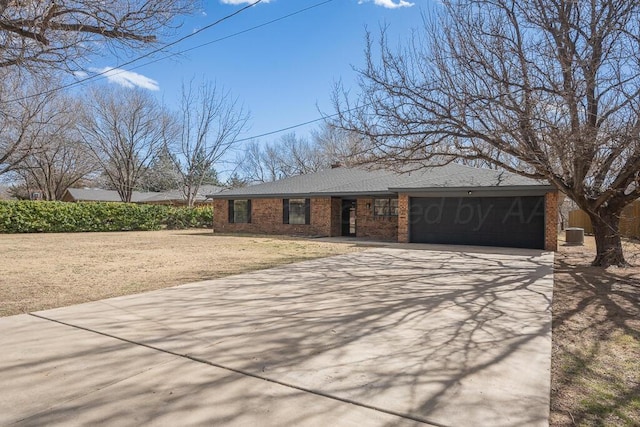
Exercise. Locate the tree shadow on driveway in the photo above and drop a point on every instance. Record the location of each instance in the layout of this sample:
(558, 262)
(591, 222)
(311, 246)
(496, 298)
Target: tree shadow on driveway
(441, 337)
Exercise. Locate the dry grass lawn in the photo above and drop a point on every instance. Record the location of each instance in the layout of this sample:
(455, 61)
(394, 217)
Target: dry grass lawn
(40, 271)
(596, 340)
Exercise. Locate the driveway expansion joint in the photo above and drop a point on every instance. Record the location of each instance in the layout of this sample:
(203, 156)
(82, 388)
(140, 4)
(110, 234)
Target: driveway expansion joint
(247, 373)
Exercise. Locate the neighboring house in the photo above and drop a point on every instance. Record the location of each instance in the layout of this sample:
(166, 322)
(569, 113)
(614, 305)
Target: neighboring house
(173, 197)
(176, 197)
(99, 195)
(450, 204)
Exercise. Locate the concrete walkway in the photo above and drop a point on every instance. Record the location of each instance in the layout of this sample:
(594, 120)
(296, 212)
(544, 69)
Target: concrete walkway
(386, 337)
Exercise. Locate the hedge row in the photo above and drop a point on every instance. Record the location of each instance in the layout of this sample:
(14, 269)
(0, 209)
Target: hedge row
(57, 217)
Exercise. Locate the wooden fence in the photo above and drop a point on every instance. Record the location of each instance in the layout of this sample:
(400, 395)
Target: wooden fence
(629, 221)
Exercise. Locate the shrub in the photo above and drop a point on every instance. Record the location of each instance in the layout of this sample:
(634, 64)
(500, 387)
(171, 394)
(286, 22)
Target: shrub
(55, 217)
(198, 217)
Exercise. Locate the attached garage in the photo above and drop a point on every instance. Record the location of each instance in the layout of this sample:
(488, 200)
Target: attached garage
(517, 222)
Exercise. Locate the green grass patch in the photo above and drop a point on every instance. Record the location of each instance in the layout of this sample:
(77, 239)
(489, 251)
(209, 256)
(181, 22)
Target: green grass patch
(607, 379)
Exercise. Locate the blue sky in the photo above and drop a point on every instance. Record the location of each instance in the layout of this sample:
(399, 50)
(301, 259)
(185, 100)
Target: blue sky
(282, 72)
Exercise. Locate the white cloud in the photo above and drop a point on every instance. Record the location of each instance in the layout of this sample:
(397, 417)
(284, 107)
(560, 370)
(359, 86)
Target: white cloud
(127, 78)
(80, 74)
(389, 4)
(244, 1)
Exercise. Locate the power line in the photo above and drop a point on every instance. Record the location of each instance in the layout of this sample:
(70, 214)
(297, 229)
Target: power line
(117, 69)
(146, 55)
(264, 24)
(319, 119)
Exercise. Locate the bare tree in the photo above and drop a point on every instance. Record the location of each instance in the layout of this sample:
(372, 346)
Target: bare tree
(60, 159)
(259, 163)
(23, 123)
(288, 156)
(44, 34)
(298, 156)
(546, 89)
(210, 120)
(337, 146)
(126, 130)
(292, 155)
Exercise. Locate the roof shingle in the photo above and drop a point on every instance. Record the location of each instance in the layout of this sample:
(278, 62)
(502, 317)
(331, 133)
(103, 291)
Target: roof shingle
(354, 181)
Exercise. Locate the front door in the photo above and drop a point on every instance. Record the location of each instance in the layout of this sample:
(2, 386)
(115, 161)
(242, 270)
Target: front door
(348, 218)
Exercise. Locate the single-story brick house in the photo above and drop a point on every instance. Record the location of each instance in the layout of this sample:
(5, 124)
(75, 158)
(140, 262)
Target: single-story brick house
(450, 204)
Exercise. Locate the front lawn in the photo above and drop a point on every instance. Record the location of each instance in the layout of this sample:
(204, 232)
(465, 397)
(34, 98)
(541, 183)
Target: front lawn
(40, 271)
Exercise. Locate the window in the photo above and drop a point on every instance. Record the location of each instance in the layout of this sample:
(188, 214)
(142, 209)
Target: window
(296, 211)
(385, 207)
(239, 211)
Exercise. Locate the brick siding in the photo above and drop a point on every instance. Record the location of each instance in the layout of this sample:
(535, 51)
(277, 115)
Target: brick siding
(403, 218)
(336, 216)
(551, 221)
(266, 218)
(370, 226)
(326, 219)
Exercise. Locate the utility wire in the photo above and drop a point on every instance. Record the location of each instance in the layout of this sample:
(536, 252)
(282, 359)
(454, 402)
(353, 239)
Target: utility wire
(264, 24)
(146, 55)
(117, 70)
(319, 119)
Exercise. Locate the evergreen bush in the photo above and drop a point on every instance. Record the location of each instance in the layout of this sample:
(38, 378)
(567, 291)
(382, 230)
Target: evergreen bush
(26, 216)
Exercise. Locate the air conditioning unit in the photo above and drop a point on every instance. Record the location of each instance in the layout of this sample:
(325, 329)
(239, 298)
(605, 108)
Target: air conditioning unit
(574, 236)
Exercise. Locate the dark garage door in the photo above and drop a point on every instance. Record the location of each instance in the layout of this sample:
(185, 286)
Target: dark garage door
(516, 222)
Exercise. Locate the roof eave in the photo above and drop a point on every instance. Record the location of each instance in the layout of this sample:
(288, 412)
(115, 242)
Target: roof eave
(390, 192)
(496, 188)
(301, 195)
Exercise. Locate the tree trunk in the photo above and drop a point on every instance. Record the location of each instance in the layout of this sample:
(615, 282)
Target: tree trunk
(125, 193)
(606, 229)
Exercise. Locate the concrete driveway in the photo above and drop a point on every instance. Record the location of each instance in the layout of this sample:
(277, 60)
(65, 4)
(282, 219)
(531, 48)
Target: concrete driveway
(391, 336)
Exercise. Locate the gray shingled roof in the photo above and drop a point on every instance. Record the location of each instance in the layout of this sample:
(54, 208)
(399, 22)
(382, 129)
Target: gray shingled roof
(178, 195)
(99, 195)
(356, 181)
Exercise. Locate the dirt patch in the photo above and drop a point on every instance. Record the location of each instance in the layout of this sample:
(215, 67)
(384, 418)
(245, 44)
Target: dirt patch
(596, 340)
(40, 271)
